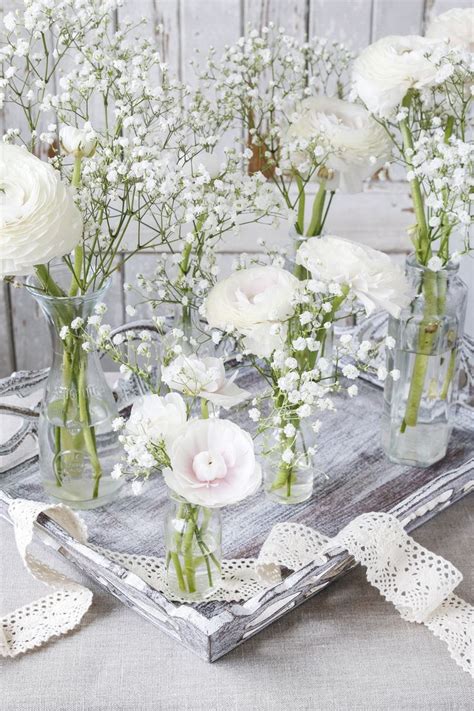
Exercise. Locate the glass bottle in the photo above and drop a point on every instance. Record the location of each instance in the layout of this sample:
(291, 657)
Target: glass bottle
(193, 549)
(419, 406)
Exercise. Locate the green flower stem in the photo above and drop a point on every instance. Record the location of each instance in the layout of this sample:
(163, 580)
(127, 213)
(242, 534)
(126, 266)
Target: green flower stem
(189, 568)
(47, 281)
(449, 375)
(79, 250)
(315, 226)
(184, 561)
(179, 571)
(426, 337)
(76, 173)
(57, 446)
(286, 475)
(301, 205)
(87, 430)
(422, 240)
(204, 409)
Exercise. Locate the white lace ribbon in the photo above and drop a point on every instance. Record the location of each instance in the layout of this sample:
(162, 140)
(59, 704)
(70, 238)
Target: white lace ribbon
(55, 614)
(417, 582)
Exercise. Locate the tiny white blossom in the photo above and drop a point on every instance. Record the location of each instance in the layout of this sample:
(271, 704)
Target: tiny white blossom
(382, 372)
(395, 374)
(350, 371)
(77, 323)
(137, 487)
(254, 414)
(116, 472)
(288, 456)
(289, 430)
(118, 423)
(390, 342)
(131, 310)
(299, 344)
(435, 264)
(63, 333)
(352, 390)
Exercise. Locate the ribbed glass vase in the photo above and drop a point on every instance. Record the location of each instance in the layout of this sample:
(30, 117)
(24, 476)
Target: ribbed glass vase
(77, 445)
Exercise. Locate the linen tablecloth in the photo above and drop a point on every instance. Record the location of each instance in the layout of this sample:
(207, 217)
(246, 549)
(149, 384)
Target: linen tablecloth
(344, 649)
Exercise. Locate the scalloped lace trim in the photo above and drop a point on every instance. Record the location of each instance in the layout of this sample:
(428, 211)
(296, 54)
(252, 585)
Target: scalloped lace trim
(417, 582)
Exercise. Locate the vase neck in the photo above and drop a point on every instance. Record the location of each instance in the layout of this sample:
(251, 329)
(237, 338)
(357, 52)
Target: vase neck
(417, 273)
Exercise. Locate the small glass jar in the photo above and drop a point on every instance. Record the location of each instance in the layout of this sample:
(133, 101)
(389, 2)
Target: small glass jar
(419, 405)
(193, 536)
(288, 468)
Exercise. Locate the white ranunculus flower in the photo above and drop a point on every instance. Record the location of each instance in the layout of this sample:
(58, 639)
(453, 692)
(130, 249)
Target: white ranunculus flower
(370, 274)
(385, 70)
(213, 464)
(79, 142)
(255, 302)
(38, 218)
(157, 418)
(456, 26)
(203, 377)
(357, 146)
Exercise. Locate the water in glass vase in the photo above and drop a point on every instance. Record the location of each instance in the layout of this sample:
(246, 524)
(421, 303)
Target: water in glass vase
(77, 445)
(193, 549)
(420, 405)
(288, 468)
(427, 441)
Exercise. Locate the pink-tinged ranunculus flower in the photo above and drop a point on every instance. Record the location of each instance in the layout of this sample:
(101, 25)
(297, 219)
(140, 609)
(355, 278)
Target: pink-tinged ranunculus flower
(213, 464)
(203, 377)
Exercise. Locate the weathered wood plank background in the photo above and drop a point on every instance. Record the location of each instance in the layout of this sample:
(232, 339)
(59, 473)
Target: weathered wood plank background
(378, 217)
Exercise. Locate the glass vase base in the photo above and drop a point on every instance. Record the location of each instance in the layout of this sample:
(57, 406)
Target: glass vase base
(203, 590)
(297, 495)
(419, 446)
(79, 494)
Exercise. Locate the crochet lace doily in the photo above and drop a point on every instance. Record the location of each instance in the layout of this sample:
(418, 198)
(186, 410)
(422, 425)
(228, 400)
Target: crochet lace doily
(418, 583)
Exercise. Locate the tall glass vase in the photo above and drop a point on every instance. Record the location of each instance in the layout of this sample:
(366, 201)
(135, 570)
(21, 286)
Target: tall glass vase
(419, 407)
(193, 549)
(77, 445)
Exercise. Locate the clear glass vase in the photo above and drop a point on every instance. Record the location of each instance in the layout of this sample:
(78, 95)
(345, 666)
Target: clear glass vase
(288, 466)
(193, 549)
(188, 328)
(419, 407)
(77, 445)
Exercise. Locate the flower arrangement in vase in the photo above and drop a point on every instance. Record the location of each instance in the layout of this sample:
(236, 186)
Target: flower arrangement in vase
(417, 89)
(136, 182)
(292, 101)
(207, 463)
(282, 324)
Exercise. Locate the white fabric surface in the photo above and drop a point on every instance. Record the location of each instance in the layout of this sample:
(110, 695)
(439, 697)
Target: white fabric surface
(344, 649)
(418, 582)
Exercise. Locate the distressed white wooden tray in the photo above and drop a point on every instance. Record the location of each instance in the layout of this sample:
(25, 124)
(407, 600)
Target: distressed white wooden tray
(359, 479)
